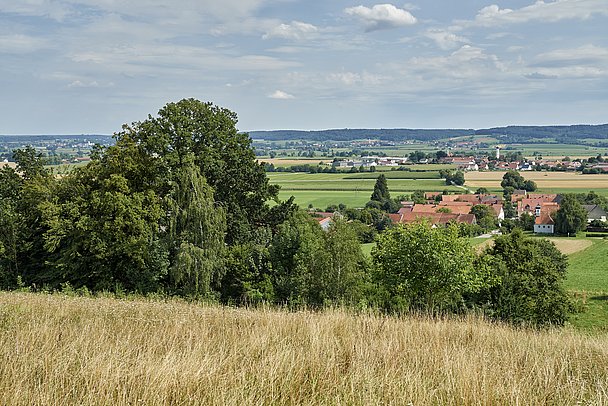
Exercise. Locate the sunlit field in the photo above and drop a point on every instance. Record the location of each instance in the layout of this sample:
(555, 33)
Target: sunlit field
(68, 350)
(556, 182)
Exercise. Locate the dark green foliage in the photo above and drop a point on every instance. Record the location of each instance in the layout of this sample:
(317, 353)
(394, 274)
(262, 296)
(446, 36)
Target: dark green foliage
(512, 179)
(485, 216)
(531, 273)
(380, 193)
(571, 216)
(316, 268)
(452, 177)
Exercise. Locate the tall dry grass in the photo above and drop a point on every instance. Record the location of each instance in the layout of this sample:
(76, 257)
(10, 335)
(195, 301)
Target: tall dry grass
(58, 350)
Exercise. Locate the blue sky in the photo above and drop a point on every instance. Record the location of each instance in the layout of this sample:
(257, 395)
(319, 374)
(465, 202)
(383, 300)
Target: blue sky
(88, 66)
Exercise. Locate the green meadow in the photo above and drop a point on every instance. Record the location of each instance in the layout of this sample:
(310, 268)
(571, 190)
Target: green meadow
(354, 190)
(588, 280)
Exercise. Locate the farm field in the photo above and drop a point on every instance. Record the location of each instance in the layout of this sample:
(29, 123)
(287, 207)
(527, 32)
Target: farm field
(322, 198)
(286, 162)
(556, 182)
(102, 351)
(323, 189)
(553, 150)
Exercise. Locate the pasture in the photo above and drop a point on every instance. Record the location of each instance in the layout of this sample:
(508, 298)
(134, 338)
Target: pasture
(102, 351)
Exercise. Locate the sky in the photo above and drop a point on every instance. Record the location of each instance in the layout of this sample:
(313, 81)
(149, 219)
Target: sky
(88, 66)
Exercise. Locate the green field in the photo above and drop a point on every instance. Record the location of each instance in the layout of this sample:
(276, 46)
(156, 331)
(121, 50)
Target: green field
(323, 198)
(588, 279)
(323, 189)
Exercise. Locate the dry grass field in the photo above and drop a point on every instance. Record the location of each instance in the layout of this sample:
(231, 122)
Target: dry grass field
(544, 180)
(565, 246)
(58, 350)
(9, 164)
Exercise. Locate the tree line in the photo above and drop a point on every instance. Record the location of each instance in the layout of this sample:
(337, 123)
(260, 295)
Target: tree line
(179, 205)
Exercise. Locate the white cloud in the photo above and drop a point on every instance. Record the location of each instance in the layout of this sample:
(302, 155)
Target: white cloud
(382, 16)
(352, 78)
(281, 95)
(296, 30)
(445, 39)
(553, 11)
(587, 54)
(21, 44)
(585, 62)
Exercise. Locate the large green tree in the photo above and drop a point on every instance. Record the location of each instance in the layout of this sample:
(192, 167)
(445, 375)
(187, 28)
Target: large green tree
(426, 268)
(381, 193)
(571, 216)
(207, 134)
(531, 273)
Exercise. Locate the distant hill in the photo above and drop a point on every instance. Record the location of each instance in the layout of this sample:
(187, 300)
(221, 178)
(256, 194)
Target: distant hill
(562, 133)
(347, 134)
(567, 134)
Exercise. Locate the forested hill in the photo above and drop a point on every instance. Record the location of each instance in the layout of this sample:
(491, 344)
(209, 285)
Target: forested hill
(505, 134)
(348, 134)
(565, 133)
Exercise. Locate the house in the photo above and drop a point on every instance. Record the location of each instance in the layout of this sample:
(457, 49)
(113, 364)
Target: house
(529, 205)
(544, 224)
(595, 212)
(437, 219)
(326, 223)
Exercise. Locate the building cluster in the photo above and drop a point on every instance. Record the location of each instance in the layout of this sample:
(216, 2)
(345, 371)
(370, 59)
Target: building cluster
(441, 209)
(369, 161)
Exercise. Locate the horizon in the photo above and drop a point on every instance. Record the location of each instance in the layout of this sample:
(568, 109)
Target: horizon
(324, 129)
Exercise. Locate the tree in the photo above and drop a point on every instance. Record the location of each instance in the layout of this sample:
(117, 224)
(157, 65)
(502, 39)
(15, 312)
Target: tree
(452, 177)
(571, 216)
(531, 273)
(316, 268)
(485, 216)
(380, 193)
(425, 268)
(512, 179)
(191, 129)
(482, 191)
(196, 234)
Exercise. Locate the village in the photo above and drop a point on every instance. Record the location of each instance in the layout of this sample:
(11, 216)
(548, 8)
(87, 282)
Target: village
(440, 209)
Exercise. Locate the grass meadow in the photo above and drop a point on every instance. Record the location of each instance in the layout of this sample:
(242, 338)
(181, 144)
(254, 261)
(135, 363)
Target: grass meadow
(354, 190)
(100, 351)
(588, 281)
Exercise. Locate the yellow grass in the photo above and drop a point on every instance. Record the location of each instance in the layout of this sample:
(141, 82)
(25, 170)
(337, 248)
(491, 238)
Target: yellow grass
(566, 247)
(544, 180)
(570, 246)
(9, 164)
(75, 351)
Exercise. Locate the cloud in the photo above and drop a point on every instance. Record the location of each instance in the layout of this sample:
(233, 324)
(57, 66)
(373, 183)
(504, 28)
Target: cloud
(296, 30)
(554, 11)
(382, 16)
(585, 62)
(445, 39)
(21, 44)
(281, 95)
(587, 54)
(352, 78)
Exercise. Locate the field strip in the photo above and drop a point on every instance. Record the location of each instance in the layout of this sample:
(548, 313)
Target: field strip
(565, 246)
